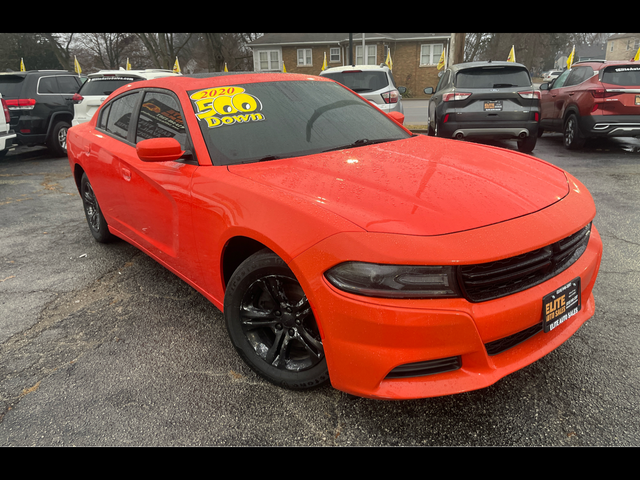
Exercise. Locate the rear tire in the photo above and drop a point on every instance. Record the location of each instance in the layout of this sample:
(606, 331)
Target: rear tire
(57, 141)
(95, 219)
(527, 144)
(573, 138)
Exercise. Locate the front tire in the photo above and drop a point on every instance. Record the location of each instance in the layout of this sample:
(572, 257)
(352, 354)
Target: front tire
(271, 324)
(527, 144)
(95, 219)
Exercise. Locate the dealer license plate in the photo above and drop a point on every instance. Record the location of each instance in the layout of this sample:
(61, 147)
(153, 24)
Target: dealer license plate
(493, 106)
(562, 304)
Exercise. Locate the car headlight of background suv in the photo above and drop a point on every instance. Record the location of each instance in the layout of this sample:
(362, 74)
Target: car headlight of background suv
(394, 281)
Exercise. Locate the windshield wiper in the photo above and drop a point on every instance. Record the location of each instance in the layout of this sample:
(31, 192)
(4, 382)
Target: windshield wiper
(360, 143)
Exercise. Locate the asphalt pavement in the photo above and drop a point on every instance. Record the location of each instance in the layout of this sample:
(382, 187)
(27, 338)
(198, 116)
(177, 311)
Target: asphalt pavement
(101, 346)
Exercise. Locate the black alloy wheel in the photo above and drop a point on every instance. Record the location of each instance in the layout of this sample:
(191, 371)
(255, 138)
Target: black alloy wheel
(95, 219)
(573, 138)
(271, 323)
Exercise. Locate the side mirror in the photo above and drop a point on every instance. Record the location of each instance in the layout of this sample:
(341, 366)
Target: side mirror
(428, 90)
(397, 117)
(159, 150)
(402, 90)
(545, 86)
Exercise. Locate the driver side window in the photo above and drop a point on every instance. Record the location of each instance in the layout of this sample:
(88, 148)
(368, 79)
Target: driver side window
(559, 82)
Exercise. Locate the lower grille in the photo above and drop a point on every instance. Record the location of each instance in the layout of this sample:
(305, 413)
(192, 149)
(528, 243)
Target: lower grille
(428, 367)
(488, 281)
(502, 344)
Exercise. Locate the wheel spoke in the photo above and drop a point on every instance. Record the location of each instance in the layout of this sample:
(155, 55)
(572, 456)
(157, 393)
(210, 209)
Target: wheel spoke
(277, 352)
(256, 318)
(310, 343)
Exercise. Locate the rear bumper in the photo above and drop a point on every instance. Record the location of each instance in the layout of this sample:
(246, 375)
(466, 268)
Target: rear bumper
(610, 125)
(7, 139)
(507, 130)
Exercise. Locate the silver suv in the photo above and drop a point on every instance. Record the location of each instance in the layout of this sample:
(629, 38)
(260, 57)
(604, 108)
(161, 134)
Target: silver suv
(373, 82)
(101, 84)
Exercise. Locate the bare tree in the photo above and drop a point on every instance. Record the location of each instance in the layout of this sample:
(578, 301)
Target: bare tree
(164, 48)
(59, 43)
(109, 50)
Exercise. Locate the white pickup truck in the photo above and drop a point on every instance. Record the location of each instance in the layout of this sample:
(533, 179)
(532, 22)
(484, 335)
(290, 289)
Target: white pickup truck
(6, 134)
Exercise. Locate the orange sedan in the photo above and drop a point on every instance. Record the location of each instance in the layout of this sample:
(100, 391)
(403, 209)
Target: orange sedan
(340, 247)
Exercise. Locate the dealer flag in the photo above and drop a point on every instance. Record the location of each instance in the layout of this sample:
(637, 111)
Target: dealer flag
(22, 65)
(512, 55)
(388, 61)
(176, 66)
(637, 57)
(324, 64)
(225, 67)
(570, 59)
(128, 64)
(441, 62)
(76, 65)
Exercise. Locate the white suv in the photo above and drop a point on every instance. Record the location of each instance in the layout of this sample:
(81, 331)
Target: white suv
(6, 134)
(101, 84)
(373, 82)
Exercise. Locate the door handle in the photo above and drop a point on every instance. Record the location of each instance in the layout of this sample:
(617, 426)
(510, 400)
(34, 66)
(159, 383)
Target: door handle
(126, 174)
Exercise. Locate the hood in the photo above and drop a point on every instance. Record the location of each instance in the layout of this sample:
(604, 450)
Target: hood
(418, 186)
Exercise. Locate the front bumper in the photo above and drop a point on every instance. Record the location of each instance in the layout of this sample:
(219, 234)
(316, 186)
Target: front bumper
(368, 341)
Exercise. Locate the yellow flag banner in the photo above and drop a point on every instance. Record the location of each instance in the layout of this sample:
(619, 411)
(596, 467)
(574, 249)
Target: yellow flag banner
(512, 55)
(441, 62)
(284, 70)
(570, 59)
(22, 65)
(128, 64)
(176, 66)
(388, 62)
(324, 64)
(76, 65)
(637, 57)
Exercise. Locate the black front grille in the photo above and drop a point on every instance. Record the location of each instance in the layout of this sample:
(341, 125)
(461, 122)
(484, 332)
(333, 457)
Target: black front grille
(502, 344)
(487, 281)
(428, 367)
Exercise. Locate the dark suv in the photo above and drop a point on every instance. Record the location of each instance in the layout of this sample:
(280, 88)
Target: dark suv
(40, 105)
(485, 100)
(593, 99)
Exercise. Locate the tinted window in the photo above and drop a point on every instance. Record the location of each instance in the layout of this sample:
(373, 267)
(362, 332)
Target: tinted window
(48, 85)
(11, 86)
(578, 75)
(68, 84)
(559, 82)
(245, 123)
(361, 81)
(493, 77)
(120, 115)
(160, 117)
(624, 75)
(104, 86)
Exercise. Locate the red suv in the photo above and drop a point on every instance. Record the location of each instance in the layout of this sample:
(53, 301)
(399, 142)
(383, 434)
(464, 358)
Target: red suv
(592, 99)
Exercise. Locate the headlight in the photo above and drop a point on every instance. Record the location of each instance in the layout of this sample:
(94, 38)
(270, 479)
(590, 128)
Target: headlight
(394, 281)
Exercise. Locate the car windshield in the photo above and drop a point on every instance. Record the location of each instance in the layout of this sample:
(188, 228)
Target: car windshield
(104, 85)
(493, 77)
(360, 80)
(623, 75)
(265, 121)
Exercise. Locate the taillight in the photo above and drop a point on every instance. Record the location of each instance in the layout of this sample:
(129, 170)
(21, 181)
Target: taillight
(450, 97)
(77, 98)
(602, 93)
(7, 115)
(530, 94)
(21, 104)
(391, 97)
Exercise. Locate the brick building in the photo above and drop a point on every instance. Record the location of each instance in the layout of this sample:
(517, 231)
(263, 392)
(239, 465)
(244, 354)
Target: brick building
(622, 46)
(414, 56)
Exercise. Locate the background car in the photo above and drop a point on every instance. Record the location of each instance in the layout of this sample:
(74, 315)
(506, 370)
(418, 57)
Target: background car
(592, 99)
(373, 82)
(485, 100)
(551, 75)
(98, 86)
(6, 134)
(41, 107)
(340, 246)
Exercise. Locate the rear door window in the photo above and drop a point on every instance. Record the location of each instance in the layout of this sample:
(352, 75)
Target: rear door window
(119, 115)
(493, 77)
(361, 80)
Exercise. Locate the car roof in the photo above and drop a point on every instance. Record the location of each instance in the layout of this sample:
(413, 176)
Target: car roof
(462, 66)
(382, 66)
(219, 79)
(147, 73)
(599, 64)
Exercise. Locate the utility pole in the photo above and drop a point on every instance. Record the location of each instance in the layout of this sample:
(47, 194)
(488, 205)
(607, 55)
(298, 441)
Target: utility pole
(456, 54)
